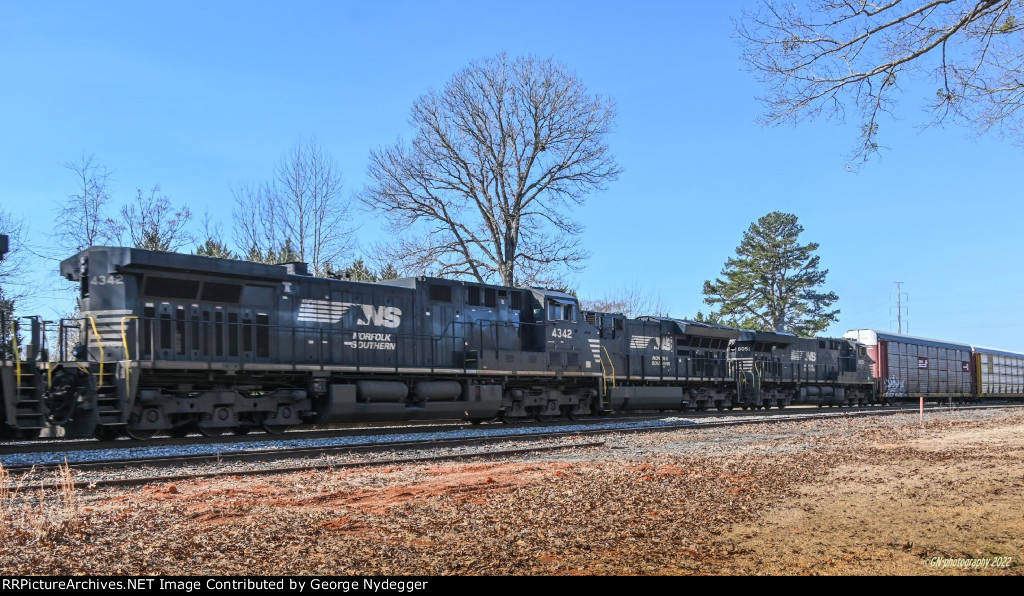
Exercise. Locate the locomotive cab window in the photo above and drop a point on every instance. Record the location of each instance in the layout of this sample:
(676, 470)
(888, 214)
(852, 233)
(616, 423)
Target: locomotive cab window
(561, 311)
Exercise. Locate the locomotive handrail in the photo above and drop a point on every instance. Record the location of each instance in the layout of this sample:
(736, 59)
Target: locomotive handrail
(99, 343)
(611, 362)
(3, 336)
(46, 351)
(17, 358)
(127, 354)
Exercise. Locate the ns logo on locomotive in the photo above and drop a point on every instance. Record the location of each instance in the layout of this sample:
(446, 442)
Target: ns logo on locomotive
(172, 343)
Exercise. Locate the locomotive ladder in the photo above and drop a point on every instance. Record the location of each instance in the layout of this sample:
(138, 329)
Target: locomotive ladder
(110, 403)
(26, 403)
(748, 383)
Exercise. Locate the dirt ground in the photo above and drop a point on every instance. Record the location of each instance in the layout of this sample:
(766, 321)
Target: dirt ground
(878, 496)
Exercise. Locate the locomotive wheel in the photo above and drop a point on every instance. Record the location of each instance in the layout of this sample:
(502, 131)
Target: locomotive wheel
(241, 430)
(275, 429)
(141, 434)
(504, 417)
(212, 431)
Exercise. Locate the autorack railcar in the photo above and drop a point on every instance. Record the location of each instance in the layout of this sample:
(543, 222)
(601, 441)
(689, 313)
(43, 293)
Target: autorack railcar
(997, 374)
(908, 367)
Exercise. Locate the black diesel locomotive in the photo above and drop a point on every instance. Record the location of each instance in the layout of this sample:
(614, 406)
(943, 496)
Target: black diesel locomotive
(173, 343)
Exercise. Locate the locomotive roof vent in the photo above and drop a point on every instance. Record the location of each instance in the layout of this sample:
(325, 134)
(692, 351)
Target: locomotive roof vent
(297, 268)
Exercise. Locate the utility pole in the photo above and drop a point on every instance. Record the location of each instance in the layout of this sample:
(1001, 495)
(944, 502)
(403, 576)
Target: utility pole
(899, 306)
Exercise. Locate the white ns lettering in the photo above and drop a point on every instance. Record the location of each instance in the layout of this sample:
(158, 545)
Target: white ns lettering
(381, 316)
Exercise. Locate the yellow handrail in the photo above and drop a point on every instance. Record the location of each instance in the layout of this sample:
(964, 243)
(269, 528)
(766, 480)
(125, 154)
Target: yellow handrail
(127, 356)
(99, 342)
(611, 362)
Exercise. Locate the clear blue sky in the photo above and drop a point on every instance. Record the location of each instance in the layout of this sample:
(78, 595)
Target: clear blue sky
(200, 96)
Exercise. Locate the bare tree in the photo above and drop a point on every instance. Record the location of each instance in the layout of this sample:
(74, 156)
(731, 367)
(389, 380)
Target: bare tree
(815, 59)
(82, 221)
(12, 266)
(498, 161)
(630, 300)
(310, 203)
(154, 224)
(301, 213)
(256, 230)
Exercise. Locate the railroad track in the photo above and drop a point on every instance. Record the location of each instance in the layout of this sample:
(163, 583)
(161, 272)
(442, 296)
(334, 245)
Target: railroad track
(87, 450)
(354, 430)
(312, 457)
(183, 461)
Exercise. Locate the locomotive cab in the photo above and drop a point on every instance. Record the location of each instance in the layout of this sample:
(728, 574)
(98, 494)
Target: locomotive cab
(571, 341)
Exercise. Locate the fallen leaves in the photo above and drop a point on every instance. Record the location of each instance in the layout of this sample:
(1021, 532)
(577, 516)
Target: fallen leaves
(660, 503)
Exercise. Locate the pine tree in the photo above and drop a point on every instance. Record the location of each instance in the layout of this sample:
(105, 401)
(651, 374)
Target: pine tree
(274, 256)
(773, 282)
(389, 272)
(215, 248)
(358, 271)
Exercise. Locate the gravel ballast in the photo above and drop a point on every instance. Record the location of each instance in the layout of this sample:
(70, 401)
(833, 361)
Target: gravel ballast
(878, 495)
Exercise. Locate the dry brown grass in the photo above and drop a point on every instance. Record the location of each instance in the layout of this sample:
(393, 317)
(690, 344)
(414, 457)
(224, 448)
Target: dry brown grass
(43, 516)
(5, 495)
